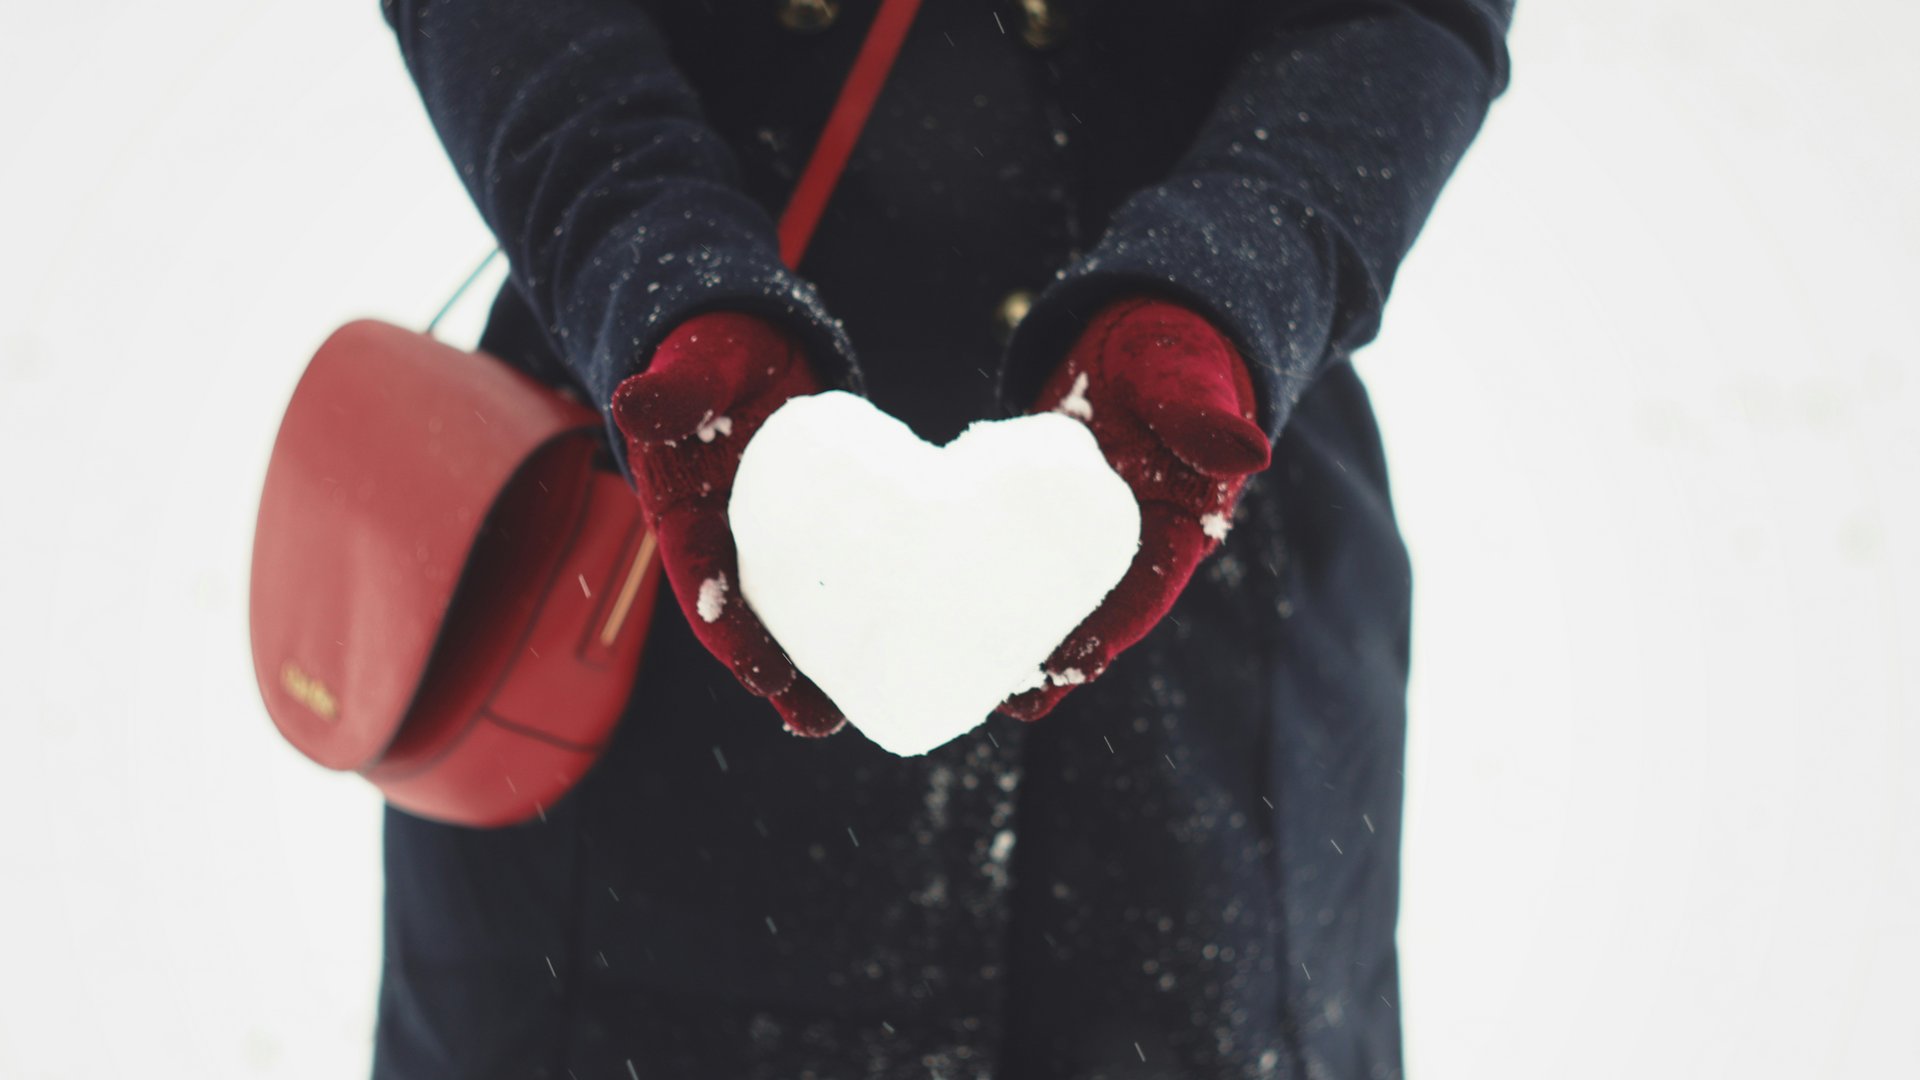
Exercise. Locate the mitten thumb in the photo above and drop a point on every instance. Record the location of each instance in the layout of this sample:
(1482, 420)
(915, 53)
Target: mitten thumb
(699, 371)
(1188, 384)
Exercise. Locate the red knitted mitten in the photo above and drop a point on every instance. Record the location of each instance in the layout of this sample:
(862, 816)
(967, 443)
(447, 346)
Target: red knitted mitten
(1170, 402)
(711, 384)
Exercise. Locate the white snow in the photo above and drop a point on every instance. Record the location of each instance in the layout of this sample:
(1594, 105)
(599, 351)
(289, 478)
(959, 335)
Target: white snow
(918, 585)
(1075, 404)
(713, 598)
(1216, 525)
(1002, 846)
(712, 426)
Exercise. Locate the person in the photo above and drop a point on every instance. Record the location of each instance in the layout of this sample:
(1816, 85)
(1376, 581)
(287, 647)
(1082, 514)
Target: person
(1173, 221)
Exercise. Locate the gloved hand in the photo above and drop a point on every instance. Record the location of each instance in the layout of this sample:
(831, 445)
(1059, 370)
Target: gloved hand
(1170, 402)
(711, 384)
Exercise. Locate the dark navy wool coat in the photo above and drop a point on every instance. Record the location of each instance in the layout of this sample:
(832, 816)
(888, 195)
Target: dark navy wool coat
(1190, 868)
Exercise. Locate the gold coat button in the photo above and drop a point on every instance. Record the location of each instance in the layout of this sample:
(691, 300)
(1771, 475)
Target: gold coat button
(1008, 314)
(1045, 25)
(808, 16)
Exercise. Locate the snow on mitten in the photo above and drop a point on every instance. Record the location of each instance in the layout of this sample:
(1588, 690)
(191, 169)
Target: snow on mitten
(1170, 403)
(711, 384)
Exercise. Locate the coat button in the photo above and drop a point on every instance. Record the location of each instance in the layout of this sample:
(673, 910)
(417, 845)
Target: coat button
(1045, 25)
(808, 16)
(1008, 314)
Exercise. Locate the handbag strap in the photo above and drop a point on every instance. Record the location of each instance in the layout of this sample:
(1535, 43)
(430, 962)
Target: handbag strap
(844, 124)
(830, 153)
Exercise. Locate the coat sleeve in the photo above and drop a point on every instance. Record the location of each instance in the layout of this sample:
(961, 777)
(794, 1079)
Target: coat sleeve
(586, 153)
(1286, 219)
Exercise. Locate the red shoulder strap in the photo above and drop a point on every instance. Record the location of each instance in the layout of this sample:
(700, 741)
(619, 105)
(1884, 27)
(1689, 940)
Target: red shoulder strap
(849, 116)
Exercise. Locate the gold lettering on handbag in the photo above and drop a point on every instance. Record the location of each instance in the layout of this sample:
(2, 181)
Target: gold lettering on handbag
(308, 690)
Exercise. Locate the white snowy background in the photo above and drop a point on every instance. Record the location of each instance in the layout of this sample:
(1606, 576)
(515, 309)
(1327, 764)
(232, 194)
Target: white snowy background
(1646, 387)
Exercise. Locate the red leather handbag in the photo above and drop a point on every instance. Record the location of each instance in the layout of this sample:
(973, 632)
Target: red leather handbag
(448, 596)
(451, 584)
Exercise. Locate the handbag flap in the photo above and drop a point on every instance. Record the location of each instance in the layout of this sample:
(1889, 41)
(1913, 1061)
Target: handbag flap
(390, 458)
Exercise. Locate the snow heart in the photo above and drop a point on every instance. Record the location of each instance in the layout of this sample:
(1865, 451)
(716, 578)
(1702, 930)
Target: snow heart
(921, 585)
